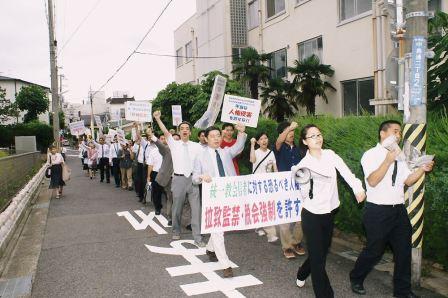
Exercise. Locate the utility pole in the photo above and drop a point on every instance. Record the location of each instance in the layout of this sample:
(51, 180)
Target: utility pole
(54, 75)
(414, 132)
(91, 114)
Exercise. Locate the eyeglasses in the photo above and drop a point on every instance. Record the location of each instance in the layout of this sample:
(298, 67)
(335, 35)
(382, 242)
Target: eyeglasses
(314, 137)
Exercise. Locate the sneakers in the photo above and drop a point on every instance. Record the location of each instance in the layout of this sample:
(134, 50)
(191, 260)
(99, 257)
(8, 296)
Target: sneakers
(228, 272)
(300, 283)
(298, 249)
(260, 232)
(157, 212)
(200, 243)
(289, 253)
(211, 256)
(175, 237)
(357, 288)
(272, 239)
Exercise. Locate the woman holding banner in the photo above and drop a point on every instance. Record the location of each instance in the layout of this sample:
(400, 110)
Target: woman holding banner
(320, 202)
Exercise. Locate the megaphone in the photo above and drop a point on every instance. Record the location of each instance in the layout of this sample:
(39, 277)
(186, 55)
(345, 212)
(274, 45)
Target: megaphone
(301, 175)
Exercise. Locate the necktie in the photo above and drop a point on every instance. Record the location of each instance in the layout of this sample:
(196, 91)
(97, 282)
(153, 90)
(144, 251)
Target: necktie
(187, 161)
(221, 171)
(394, 174)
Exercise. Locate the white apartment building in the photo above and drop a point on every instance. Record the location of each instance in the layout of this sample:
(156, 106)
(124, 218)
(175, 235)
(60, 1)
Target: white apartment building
(342, 33)
(12, 87)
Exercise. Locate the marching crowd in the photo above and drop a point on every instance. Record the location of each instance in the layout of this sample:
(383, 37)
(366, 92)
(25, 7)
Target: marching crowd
(170, 165)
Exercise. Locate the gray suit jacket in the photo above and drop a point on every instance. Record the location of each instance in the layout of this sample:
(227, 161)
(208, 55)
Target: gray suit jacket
(204, 164)
(166, 169)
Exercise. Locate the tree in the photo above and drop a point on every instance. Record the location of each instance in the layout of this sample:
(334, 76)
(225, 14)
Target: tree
(232, 87)
(250, 70)
(32, 99)
(277, 97)
(7, 109)
(309, 83)
(438, 66)
(187, 95)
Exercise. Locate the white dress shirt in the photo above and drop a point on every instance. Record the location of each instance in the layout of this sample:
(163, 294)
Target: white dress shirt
(384, 193)
(153, 158)
(183, 164)
(141, 153)
(55, 159)
(103, 150)
(114, 149)
(325, 188)
(210, 151)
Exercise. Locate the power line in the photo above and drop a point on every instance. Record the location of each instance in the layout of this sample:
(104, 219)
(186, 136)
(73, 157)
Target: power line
(79, 26)
(135, 50)
(188, 57)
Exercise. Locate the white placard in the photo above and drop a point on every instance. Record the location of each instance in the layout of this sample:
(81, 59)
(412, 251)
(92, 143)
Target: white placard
(77, 128)
(115, 114)
(176, 111)
(121, 136)
(140, 111)
(214, 104)
(112, 132)
(250, 201)
(237, 109)
(98, 122)
(88, 132)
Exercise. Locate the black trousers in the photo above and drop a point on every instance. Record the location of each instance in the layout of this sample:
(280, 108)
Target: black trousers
(318, 230)
(156, 192)
(104, 167)
(116, 170)
(140, 180)
(386, 224)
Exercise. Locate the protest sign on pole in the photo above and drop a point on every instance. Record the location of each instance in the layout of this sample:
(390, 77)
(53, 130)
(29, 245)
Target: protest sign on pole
(237, 109)
(121, 136)
(112, 132)
(140, 111)
(214, 105)
(176, 111)
(250, 201)
(98, 122)
(77, 128)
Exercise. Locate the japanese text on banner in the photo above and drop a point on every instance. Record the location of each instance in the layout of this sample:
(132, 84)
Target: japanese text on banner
(237, 109)
(248, 202)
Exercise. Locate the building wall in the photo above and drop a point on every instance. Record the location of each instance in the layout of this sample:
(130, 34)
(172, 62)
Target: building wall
(12, 88)
(210, 37)
(347, 47)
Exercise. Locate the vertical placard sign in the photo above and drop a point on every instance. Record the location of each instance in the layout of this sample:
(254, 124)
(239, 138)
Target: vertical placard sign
(417, 79)
(214, 105)
(176, 111)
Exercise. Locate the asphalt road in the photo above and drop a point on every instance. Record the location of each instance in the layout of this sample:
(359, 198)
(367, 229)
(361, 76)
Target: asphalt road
(90, 251)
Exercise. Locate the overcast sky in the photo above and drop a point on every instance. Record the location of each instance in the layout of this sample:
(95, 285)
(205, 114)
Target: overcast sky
(106, 38)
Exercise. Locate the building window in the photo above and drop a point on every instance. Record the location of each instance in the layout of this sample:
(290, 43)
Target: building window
(277, 63)
(310, 47)
(274, 7)
(238, 23)
(434, 5)
(356, 96)
(189, 51)
(352, 8)
(179, 57)
(252, 15)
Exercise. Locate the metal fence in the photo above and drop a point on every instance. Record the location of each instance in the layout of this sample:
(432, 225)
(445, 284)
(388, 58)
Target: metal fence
(15, 171)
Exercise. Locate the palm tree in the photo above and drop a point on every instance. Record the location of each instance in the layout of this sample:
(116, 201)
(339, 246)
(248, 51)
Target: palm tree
(249, 69)
(277, 97)
(308, 81)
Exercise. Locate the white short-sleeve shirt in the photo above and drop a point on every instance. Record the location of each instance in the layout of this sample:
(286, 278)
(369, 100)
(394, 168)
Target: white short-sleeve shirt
(384, 193)
(268, 163)
(153, 158)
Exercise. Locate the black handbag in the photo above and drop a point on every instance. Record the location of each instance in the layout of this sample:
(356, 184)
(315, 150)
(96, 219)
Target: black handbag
(48, 170)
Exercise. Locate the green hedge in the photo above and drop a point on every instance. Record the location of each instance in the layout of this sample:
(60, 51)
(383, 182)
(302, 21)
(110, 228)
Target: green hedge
(42, 131)
(350, 137)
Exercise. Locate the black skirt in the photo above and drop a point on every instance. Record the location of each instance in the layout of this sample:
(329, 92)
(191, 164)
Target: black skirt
(56, 176)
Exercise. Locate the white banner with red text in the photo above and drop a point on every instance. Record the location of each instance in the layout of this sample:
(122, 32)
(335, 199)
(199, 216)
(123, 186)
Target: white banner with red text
(249, 202)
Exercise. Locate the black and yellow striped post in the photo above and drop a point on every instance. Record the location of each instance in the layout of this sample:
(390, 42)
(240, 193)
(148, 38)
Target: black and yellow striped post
(415, 136)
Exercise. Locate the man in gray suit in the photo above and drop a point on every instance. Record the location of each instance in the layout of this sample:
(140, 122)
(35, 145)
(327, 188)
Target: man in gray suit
(217, 162)
(165, 174)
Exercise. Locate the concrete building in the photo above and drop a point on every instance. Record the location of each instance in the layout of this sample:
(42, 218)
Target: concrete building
(12, 87)
(342, 33)
(116, 106)
(217, 29)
